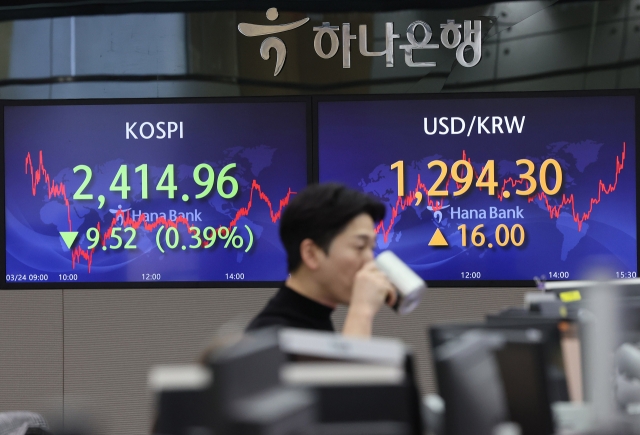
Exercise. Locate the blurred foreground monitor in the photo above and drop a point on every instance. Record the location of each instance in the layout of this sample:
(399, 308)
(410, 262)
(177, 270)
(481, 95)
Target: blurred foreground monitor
(288, 381)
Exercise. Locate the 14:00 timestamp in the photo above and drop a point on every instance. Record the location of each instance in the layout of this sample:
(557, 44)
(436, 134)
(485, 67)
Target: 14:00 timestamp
(558, 275)
(234, 276)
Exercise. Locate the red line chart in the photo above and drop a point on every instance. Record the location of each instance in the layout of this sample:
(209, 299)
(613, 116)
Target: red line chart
(55, 189)
(554, 210)
(39, 175)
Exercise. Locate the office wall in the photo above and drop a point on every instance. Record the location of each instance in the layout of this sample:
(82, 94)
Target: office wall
(89, 351)
(31, 351)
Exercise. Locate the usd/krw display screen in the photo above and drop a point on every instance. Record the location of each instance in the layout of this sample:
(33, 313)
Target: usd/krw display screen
(498, 189)
(157, 193)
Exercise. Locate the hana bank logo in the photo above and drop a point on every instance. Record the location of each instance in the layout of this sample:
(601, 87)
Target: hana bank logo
(248, 29)
(464, 38)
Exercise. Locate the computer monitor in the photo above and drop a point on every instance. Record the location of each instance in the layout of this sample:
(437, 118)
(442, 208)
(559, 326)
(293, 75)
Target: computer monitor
(553, 356)
(522, 357)
(524, 370)
(629, 319)
(343, 400)
(470, 384)
(182, 399)
(248, 396)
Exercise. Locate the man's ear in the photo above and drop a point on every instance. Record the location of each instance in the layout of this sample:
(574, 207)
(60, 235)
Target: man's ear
(311, 254)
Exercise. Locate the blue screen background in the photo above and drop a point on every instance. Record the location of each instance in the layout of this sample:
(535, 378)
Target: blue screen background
(360, 140)
(267, 141)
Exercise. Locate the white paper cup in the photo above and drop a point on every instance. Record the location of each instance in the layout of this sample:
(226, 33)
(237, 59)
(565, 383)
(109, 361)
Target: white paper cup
(408, 284)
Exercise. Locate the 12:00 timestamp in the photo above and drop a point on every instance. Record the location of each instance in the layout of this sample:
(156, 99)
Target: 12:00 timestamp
(151, 277)
(470, 275)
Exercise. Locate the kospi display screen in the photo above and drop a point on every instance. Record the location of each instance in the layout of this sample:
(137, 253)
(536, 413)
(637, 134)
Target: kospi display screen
(493, 189)
(163, 193)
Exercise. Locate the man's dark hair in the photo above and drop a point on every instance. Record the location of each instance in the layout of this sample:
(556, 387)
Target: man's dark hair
(320, 212)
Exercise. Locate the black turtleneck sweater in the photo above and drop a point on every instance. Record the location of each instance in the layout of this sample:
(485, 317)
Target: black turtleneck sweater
(290, 308)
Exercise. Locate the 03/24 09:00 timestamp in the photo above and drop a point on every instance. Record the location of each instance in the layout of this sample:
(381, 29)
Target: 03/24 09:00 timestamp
(42, 277)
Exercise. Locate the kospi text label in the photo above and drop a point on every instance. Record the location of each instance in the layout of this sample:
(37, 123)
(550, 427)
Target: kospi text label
(159, 130)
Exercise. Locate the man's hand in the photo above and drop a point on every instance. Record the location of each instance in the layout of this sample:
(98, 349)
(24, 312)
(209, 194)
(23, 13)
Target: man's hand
(371, 289)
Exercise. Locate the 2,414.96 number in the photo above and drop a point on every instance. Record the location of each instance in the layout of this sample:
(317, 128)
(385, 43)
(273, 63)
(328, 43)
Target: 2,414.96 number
(227, 186)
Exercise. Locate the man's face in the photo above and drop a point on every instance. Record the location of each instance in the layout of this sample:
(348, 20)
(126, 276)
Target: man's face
(348, 252)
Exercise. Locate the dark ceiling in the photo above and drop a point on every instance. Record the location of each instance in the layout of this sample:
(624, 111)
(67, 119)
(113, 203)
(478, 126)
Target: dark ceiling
(25, 9)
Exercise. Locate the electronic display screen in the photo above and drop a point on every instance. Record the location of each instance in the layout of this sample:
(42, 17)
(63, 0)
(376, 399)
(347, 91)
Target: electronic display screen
(180, 192)
(492, 189)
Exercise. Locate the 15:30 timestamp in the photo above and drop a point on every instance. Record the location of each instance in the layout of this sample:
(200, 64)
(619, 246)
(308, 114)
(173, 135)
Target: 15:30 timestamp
(626, 275)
